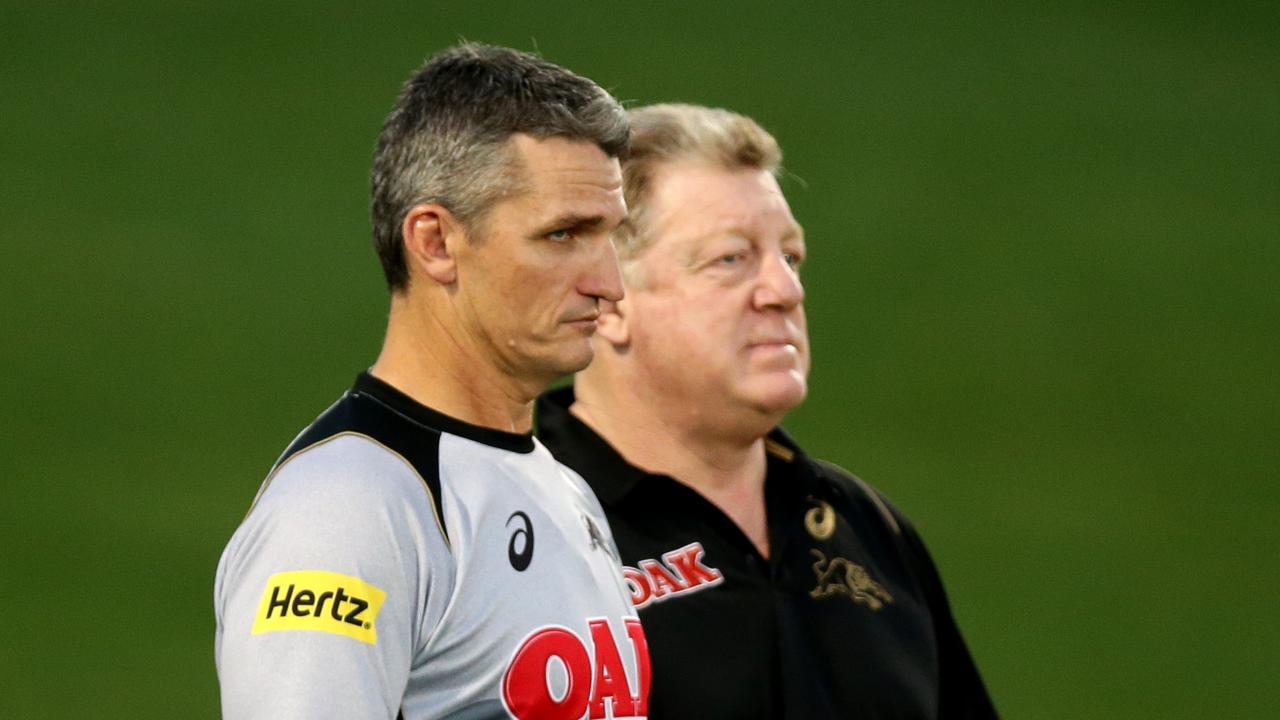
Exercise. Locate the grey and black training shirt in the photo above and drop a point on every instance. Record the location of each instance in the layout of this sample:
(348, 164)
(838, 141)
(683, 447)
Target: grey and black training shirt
(400, 562)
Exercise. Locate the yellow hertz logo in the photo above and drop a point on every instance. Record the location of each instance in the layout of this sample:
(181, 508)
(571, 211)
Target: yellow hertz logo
(320, 600)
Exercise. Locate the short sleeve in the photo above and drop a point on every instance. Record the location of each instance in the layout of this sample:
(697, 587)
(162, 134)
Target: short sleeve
(321, 595)
(962, 694)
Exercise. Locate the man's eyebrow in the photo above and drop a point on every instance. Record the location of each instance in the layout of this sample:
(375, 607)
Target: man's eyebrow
(794, 232)
(574, 221)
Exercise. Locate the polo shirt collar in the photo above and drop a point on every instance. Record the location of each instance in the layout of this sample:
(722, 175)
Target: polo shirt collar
(577, 445)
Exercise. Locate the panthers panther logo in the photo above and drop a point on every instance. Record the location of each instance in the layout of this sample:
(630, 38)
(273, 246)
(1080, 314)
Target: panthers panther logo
(839, 576)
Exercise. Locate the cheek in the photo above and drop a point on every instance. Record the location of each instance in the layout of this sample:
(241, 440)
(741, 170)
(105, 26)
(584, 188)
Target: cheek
(806, 358)
(802, 327)
(660, 330)
(692, 320)
(535, 294)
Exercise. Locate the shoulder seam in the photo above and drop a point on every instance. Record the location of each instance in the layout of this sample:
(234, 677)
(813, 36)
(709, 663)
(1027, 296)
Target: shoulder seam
(880, 504)
(890, 519)
(431, 499)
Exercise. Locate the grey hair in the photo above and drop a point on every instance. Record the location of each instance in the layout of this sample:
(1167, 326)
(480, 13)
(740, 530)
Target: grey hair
(447, 139)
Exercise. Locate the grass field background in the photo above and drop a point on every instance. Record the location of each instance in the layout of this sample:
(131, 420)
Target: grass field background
(1042, 290)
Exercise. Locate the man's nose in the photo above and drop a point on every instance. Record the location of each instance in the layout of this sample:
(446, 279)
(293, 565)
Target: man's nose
(779, 284)
(603, 278)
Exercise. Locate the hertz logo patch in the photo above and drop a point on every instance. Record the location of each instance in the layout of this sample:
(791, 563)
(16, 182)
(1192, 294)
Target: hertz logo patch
(320, 600)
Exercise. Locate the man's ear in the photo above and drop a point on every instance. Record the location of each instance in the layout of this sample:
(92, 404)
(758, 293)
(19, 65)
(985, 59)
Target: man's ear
(430, 232)
(612, 323)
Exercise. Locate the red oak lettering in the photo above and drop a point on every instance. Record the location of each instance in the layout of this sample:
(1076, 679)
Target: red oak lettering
(664, 583)
(687, 561)
(638, 584)
(611, 677)
(592, 679)
(681, 571)
(524, 687)
(640, 646)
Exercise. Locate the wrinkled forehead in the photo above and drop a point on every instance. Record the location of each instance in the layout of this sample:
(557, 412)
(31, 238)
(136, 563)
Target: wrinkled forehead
(558, 176)
(699, 204)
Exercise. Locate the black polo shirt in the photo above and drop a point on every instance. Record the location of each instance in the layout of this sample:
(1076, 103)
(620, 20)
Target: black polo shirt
(847, 618)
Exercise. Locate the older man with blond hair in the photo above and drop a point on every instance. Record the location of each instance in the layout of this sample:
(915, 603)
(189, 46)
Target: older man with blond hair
(770, 584)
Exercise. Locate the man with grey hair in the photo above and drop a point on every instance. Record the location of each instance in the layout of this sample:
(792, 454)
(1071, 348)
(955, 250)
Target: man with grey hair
(770, 584)
(415, 552)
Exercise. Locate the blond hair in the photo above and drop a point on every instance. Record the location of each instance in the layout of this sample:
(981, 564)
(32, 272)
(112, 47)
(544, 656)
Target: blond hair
(674, 133)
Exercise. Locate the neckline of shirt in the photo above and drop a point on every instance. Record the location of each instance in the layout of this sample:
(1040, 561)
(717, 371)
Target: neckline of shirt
(396, 400)
(611, 476)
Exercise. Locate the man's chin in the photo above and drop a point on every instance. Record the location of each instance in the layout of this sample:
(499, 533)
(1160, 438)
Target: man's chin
(779, 395)
(571, 359)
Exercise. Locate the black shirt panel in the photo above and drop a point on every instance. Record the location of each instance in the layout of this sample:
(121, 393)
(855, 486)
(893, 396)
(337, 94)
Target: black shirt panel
(846, 618)
(386, 394)
(378, 411)
(691, 636)
(962, 693)
(858, 633)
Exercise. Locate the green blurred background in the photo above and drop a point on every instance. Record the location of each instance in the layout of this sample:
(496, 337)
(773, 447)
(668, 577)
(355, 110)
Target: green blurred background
(1042, 296)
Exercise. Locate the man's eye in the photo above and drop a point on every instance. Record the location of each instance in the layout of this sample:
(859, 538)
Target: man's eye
(792, 259)
(560, 235)
(730, 259)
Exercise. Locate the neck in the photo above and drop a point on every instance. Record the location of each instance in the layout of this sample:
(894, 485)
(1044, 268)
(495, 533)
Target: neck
(724, 462)
(423, 357)
(649, 441)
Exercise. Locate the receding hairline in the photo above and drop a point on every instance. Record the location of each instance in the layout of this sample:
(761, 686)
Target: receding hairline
(670, 134)
(446, 140)
(518, 180)
(661, 172)
(678, 131)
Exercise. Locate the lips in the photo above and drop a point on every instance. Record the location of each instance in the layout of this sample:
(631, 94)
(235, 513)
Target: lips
(586, 322)
(776, 335)
(771, 342)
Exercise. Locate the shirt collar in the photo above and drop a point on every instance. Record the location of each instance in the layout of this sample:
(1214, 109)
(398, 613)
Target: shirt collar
(577, 445)
(390, 397)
